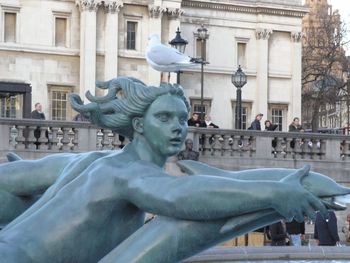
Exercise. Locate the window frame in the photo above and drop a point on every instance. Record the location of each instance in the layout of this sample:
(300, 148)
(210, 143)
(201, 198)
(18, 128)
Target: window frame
(284, 108)
(241, 40)
(136, 23)
(10, 9)
(60, 88)
(64, 15)
(197, 101)
(245, 105)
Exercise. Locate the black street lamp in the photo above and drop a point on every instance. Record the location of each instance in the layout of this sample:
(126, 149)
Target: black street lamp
(202, 35)
(180, 44)
(239, 79)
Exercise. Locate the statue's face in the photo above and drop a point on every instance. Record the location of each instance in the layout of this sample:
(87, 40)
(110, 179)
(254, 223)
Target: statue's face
(165, 125)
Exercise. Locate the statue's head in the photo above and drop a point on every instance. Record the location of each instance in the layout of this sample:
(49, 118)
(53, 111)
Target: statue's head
(189, 144)
(130, 108)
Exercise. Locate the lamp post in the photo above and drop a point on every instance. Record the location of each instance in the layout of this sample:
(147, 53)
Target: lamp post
(180, 44)
(238, 79)
(202, 35)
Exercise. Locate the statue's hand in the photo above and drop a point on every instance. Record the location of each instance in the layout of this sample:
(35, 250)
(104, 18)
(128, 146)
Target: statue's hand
(294, 201)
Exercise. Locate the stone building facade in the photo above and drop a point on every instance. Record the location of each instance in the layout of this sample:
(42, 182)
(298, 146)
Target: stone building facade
(50, 48)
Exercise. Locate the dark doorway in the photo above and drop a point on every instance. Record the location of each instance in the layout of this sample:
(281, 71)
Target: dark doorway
(15, 100)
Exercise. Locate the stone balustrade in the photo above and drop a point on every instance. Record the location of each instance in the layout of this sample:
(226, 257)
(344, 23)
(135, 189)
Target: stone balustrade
(35, 138)
(228, 149)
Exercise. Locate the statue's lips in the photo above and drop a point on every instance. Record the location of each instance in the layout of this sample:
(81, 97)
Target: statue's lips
(176, 140)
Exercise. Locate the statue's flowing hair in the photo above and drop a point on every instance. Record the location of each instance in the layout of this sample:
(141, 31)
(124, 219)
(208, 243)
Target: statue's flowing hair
(126, 98)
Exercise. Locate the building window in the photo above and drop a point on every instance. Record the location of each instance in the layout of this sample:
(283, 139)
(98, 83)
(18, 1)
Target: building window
(199, 49)
(277, 118)
(246, 112)
(59, 105)
(60, 31)
(196, 106)
(241, 54)
(9, 106)
(10, 26)
(131, 35)
(245, 123)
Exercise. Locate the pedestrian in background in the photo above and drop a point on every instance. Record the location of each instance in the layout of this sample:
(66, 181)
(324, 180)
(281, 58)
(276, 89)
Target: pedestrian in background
(326, 230)
(278, 234)
(255, 125)
(269, 126)
(296, 232)
(194, 120)
(295, 127)
(37, 114)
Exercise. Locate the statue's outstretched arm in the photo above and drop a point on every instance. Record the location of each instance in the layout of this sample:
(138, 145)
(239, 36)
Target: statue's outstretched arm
(210, 197)
(25, 177)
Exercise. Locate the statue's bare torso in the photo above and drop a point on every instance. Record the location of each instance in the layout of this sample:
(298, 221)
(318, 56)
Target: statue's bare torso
(81, 216)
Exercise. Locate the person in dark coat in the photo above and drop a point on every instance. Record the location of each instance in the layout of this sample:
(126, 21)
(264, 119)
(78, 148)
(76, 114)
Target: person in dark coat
(38, 115)
(326, 230)
(194, 120)
(269, 126)
(256, 126)
(295, 125)
(278, 234)
(296, 232)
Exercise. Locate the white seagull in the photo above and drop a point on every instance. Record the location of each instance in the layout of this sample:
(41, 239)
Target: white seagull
(166, 59)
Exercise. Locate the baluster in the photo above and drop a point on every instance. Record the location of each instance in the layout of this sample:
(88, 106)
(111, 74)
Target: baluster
(110, 138)
(76, 138)
(236, 145)
(31, 140)
(59, 139)
(206, 146)
(13, 137)
(71, 139)
(299, 148)
(227, 148)
(252, 147)
(54, 140)
(217, 145)
(65, 139)
(99, 145)
(20, 139)
(42, 141)
(289, 150)
(278, 149)
(116, 142)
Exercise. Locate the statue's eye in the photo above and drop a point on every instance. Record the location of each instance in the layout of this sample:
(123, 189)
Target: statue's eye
(163, 117)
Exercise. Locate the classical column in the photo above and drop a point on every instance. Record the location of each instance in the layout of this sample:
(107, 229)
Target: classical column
(155, 27)
(262, 74)
(112, 9)
(295, 105)
(174, 15)
(88, 10)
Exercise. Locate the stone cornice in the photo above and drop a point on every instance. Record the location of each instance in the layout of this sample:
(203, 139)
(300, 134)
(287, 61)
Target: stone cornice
(88, 5)
(112, 6)
(296, 36)
(263, 33)
(156, 11)
(175, 13)
(253, 8)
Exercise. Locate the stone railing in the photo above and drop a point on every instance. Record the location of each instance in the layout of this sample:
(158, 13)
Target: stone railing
(228, 149)
(271, 145)
(34, 138)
